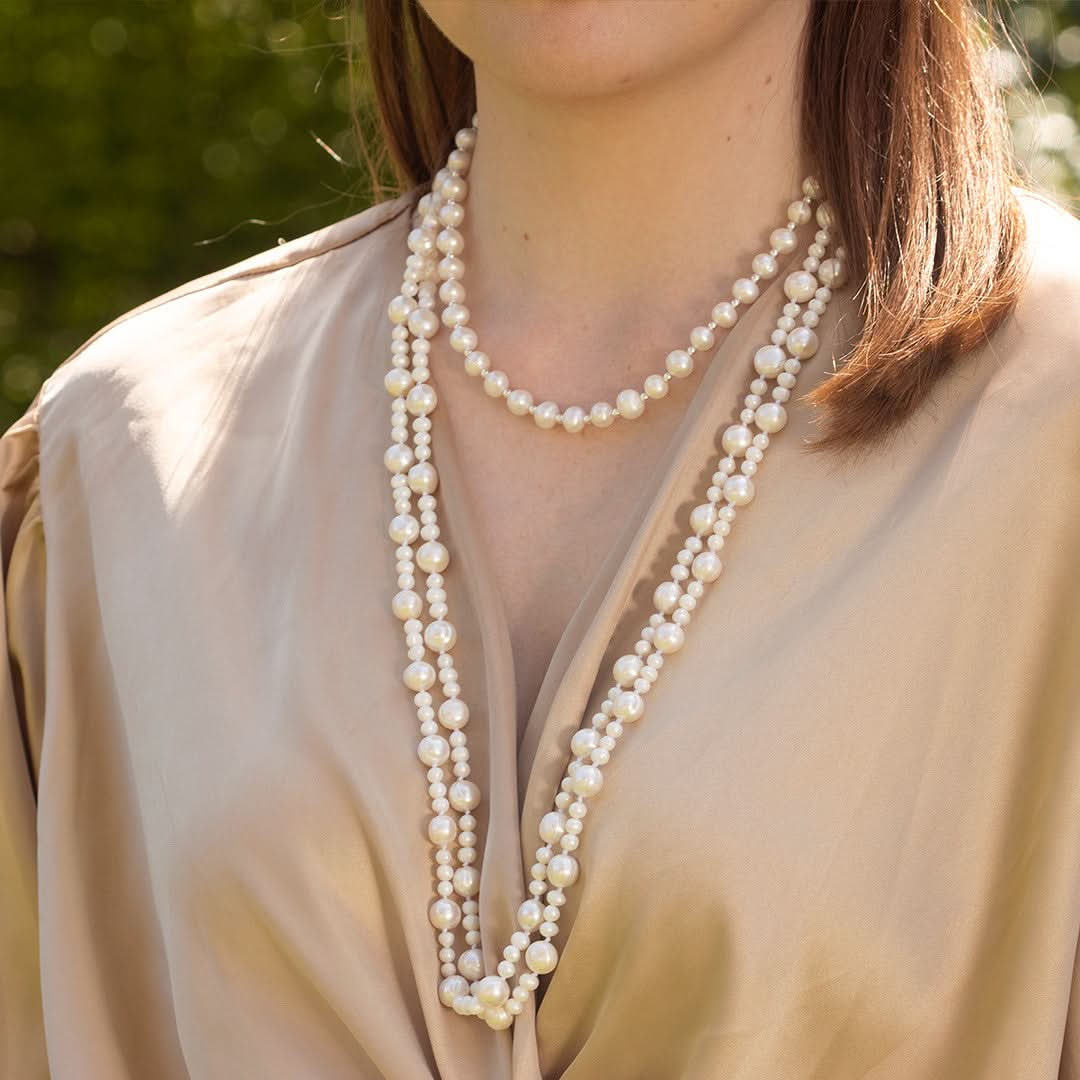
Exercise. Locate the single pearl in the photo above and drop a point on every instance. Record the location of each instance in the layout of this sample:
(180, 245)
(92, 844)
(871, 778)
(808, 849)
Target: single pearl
(455, 315)
(744, 290)
(444, 914)
(433, 750)
(440, 636)
(800, 286)
(397, 381)
(466, 881)
(471, 964)
(398, 458)
(802, 342)
(463, 339)
(669, 637)
(407, 604)
(552, 828)
(626, 669)
(833, 273)
(784, 240)
(656, 386)
(679, 363)
(519, 401)
(562, 871)
(432, 557)
(702, 338)
(442, 829)
(725, 314)
(602, 415)
(419, 675)
(477, 363)
(497, 1017)
(584, 742)
(739, 490)
(530, 915)
(737, 439)
(764, 265)
(546, 414)
(423, 478)
(496, 383)
(629, 404)
(491, 990)
(702, 518)
(628, 706)
(666, 596)
(464, 796)
(400, 308)
(541, 956)
(826, 216)
(453, 714)
(573, 419)
(451, 988)
(770, 417)
(706, 566)
(423, 322)
(587, 782)
(404, 528)
(769, 361)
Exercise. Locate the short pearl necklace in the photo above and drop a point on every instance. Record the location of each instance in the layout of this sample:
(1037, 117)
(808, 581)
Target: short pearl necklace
(629, 403)
(497, 998)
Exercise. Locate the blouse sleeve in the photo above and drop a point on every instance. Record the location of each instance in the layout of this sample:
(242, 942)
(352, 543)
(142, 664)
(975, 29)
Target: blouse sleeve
(22, 547)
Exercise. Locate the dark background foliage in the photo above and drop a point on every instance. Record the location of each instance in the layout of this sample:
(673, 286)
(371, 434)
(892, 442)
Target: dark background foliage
(147, 142)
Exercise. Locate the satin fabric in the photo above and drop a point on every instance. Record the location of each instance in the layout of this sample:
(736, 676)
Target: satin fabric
(844, 842)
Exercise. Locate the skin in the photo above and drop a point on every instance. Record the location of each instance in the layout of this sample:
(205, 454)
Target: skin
(631, 156)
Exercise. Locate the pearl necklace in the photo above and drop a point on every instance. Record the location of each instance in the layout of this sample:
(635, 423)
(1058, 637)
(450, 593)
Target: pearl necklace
(497, 998)
(630, 403)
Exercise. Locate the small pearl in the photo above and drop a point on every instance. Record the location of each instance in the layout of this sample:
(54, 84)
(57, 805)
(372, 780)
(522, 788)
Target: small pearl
(679, 363)
(629, 404)
(497, 1017)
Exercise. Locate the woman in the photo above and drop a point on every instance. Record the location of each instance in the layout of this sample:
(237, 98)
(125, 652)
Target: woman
(843, 838)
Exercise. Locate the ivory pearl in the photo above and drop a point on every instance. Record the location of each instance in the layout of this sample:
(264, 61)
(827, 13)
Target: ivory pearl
(573, 419)
(442, 829)
(737, 439)
(769, 361)
(440, 636)
(706, 566)
(541, 957)
(833, 273)
(466, 881)
(702, 338)
(423, 478)
(771, 417)
(404, 528)
(453, 714)
(530, 915)
(626, 669)
(471, 964)
(496, 383)
(464, 795)
(764, 265)
(419, 675)
(587, 782)
(432, 557)
(628, 706)
(739, 490)
(656, 386)
(802, 342)
(679, 363)
(546, 414)
(629, 404)
(725, 314)
(398, 458)
(519, 402)
(562, 871)
(406, 604)
(423, 322)
(477, 363)
(397, 381)
(669, 637)
(552, 827)
(444, 914)
(744, 290)
(399, 308)
(497, 1017)
(800, 286)
(584, 742)
(491, 990)
(602, 415)
(666, 596)
(451, 988)
(433, 750)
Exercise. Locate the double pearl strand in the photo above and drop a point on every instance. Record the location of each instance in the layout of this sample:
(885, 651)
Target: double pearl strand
(498, 997)
(448, 242)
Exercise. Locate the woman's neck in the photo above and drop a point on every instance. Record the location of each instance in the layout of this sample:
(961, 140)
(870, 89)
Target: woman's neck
(594, 212)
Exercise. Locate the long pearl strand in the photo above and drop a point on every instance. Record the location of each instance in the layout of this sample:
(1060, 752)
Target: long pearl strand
(498, 997)
(630, 402)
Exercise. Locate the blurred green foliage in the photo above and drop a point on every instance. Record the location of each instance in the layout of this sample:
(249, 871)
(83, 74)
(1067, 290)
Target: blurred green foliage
(147, 142)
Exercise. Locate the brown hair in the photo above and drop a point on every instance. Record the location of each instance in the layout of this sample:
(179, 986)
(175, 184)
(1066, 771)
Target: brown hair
(901, 115)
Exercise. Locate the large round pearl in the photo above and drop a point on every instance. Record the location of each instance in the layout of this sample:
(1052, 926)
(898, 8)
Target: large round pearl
(440, 636)
(668, 637)
(602, 415)
(802, 342)
(552, 827)
(497, 1017)
(453, 714)
(491, 990)
(546, 414)
(433, 750)
(783, 240)
(744, 290)
(421, 399)
(530, 915)
(666, 596)
(770, 417)
(464, 796)
(404, 528)
(629, 404)
(800, 286)
(471, 964)
(627, 668)
(573, 419)
(398, 458)
(442, 829)
(419, 675)
(496, 383)
(706, 566)
(737, 439)
(562, 871)
(432, 557)
(444, 914)
(584, 742)
(833, 273)
(587, 782)
(656, 386)
(397, 382)
(679, 363)
(451, 988)
(629, 706)
(769, 361)
(423, 479)
(738, 489)
(702, 518)
(725, 314)
(466, 881)
(541, 957)
(407, 605)
(702, 338)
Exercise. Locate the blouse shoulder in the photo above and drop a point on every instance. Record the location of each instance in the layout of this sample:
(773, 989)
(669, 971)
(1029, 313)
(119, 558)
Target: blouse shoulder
(208, 317)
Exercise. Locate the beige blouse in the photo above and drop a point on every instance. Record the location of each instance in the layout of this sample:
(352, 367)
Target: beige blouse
(844, 843)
